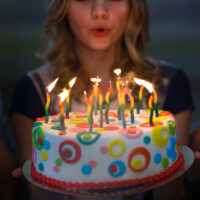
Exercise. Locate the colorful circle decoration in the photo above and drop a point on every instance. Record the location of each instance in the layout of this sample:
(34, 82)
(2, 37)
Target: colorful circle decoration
(147, 124)
(41, 166)
(157, 119)
(46, 144)
(86, 125)
(78, 121)
(165, 113)
(69, 151)
(157, 137)
(165, 162)
(56, 169)
(44, 155)
(131, 132)
(38, 137)
(112, 114)
(116, 168)
(58, 161)
(34, 154)
(119, 143)
(171, 150)
(111, 128)
(136, 164)
(37, 124)
(93, 163)
(58, 128)
(88, 137)
(147, 139)
(86, 169)
(171, 126)
(103, 149)
(157, 158)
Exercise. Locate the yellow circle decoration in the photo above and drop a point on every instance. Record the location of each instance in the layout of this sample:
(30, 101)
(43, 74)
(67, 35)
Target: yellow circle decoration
(44, 155)
(157, 119)
(157, 137)
(137, 164)
(99, 129)
(116, 142)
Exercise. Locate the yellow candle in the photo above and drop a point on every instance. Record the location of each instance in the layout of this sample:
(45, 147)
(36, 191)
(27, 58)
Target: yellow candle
(49, 88)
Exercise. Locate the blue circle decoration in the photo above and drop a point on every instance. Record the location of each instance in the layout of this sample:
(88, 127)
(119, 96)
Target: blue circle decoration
(147, 139)
(81, 139)
(119, 165)
(46, 144)
(157, 158)
(171, 150)
(86, 169)
(41, 167)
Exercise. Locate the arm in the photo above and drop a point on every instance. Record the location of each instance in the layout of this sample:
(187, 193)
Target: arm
(183, 122)
(22, 129)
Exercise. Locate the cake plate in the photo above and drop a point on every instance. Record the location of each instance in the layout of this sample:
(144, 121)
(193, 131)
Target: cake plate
(118, 191)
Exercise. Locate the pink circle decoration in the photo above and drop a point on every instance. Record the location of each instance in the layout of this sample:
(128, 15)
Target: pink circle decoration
(131, 132)
(93, 163)
(34, 154)
(103, 149)
(56, 169)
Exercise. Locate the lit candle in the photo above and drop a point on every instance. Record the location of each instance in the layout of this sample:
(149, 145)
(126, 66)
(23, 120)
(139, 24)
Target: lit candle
(123, 106)
(92, 105)
(155, 102)
(118, 82)
(89, 111)
(132, 107)
(143, 84)
(151, 110)
(107, 104)
(49, 88)
(62, 96)
(96, 84)
(120, 104)
(71, 83)
(101, 108)
(140, 99)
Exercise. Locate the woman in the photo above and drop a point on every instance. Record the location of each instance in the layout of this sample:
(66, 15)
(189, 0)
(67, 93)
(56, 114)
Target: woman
(90, 38)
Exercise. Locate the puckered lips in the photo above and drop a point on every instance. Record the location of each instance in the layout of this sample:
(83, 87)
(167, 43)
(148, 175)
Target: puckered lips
(100, 30)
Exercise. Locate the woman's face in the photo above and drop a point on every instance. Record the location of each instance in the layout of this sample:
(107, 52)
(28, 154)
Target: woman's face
(98, 24)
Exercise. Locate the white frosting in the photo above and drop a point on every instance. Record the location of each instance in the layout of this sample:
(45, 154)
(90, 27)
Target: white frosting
(93, 154)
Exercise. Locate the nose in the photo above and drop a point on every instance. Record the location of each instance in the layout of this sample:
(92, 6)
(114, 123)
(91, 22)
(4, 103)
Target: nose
(99, 9)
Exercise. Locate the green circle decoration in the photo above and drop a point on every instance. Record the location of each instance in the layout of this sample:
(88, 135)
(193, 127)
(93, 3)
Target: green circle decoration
(58, 161)
(38, 133)
(172, 127)
(165, 162)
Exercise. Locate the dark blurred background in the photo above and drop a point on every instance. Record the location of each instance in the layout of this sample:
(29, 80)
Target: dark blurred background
(175, 37)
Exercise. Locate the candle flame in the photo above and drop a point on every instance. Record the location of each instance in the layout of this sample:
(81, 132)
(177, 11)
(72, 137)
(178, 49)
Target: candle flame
(85, 93)
(52, 85)
(96, 80)
(63, 94)
(144, 83)
(72, 82)
(117, 71)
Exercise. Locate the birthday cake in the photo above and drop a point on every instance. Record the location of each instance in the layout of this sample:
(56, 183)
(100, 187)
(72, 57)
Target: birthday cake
(105, 157)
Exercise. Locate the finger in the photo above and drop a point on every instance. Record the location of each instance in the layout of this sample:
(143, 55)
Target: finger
(17, 173)
(197, 155)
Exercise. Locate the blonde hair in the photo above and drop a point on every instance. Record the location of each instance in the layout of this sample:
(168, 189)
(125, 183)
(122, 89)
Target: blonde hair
(62, 54)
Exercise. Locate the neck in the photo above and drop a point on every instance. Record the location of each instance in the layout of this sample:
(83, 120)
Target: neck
(99, 63)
